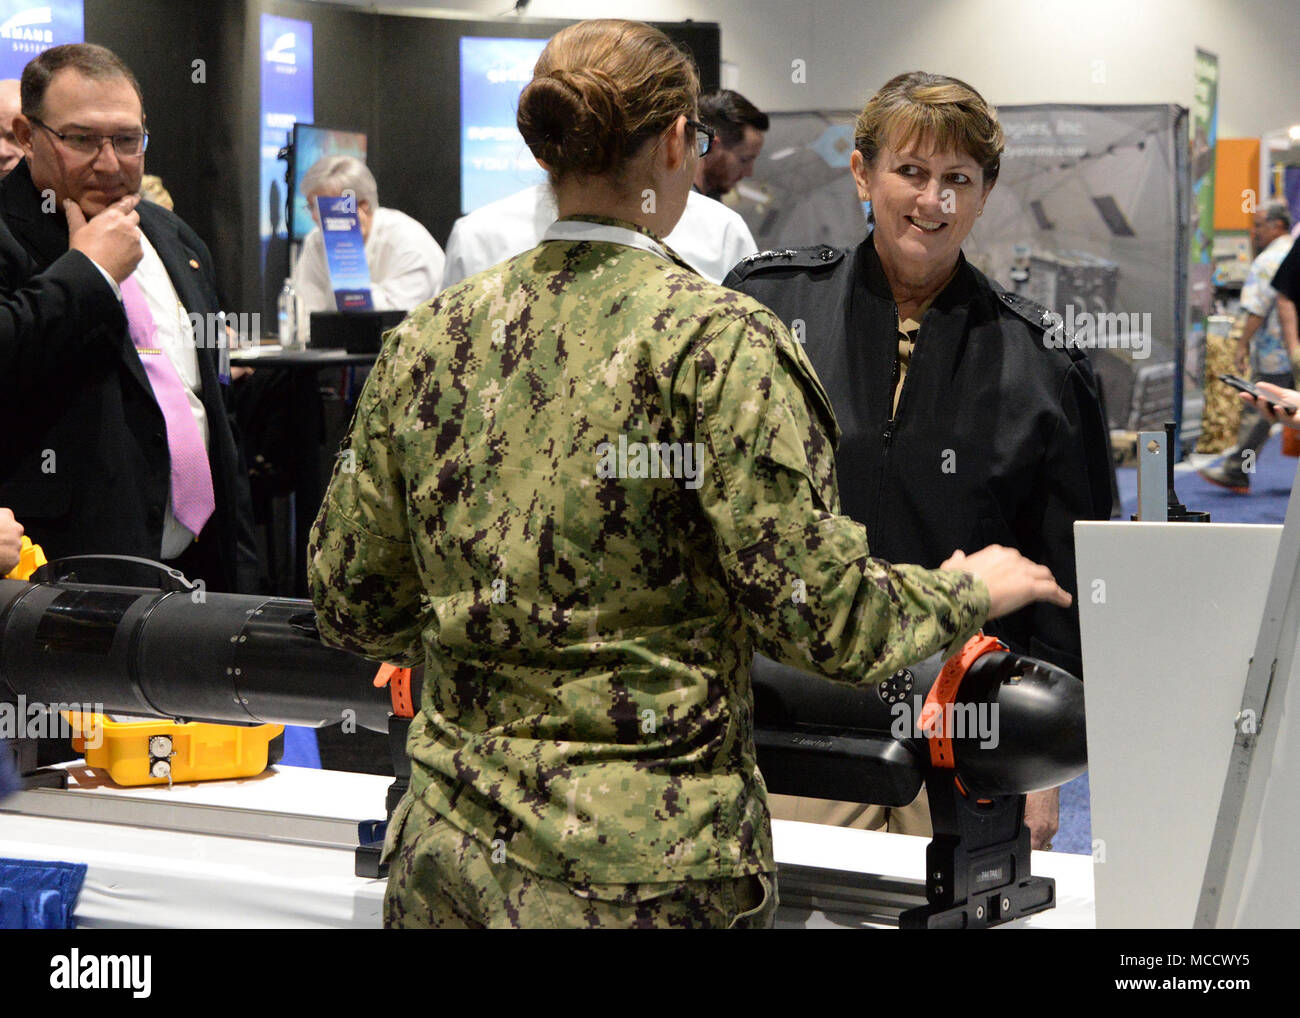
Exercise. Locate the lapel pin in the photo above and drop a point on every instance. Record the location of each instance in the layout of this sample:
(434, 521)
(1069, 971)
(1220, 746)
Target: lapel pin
(194, 263)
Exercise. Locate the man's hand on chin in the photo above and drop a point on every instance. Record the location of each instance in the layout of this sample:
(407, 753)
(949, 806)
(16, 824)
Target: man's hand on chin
(111, 239)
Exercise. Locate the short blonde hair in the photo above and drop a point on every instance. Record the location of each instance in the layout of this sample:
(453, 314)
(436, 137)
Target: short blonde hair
(151, 189)
(946, 112)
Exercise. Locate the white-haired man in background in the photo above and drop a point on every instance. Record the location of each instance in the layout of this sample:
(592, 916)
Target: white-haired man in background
(405, 262)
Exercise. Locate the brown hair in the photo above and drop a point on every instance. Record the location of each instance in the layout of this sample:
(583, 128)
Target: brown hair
(944, 111)
(729, 113)
(600, 90)
(85, 58)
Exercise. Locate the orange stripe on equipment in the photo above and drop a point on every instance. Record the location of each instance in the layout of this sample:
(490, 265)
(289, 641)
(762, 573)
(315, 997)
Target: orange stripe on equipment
(398, 681)
(944, 692)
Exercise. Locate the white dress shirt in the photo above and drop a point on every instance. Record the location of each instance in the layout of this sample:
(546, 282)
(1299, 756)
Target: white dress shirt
(710, 237)
(405, 265)
(175, 337)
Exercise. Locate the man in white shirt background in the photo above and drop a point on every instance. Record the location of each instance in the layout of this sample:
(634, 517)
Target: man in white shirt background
(709, 236)
(405, 262)
(739, 128)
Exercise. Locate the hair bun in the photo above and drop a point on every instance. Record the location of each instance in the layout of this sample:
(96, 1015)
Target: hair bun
(573, 120)
(600, 91)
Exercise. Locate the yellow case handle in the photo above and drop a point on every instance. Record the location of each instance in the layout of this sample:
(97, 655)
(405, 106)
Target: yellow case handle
(30, 559)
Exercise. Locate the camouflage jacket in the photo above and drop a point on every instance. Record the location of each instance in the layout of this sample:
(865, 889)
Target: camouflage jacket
(581, 488)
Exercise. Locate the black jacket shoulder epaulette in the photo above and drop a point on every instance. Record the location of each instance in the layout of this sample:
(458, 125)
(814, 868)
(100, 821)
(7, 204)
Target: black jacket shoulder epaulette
(1032, 312)
(1040, 320)
(821, 256)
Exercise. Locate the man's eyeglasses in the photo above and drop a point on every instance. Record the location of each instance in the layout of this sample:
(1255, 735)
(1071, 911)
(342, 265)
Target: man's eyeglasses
(704, 135)
(90, 144)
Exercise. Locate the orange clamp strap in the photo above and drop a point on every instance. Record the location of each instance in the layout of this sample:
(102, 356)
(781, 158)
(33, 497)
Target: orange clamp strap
(944, 692)
(398, 681)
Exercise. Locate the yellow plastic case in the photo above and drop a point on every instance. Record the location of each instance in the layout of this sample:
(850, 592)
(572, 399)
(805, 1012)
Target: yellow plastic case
(195, 751)
(159, 752)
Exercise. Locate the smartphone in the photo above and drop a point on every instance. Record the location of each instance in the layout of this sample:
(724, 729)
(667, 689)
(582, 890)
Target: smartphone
(1245, 386)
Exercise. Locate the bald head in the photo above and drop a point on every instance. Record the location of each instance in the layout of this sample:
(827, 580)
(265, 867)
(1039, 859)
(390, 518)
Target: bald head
(10, 105)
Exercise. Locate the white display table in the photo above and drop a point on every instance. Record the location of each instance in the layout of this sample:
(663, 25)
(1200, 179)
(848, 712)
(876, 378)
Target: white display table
(146, 877)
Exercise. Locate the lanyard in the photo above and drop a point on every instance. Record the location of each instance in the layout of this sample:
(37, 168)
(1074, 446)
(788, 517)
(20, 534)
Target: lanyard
(579, 229)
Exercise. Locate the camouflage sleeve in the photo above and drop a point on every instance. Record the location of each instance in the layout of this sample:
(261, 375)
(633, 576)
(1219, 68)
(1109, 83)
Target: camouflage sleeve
(802, 577)
(361, 566)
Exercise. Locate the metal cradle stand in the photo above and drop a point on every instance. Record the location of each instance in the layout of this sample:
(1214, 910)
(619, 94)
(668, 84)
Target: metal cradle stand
(977, 874)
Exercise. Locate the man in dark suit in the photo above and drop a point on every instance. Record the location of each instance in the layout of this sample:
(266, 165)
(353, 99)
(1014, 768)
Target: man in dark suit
(117, 439)
(55, 311)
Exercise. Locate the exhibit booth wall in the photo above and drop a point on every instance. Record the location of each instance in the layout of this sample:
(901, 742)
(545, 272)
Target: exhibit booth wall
(802, 192)
(393, 77)
(1012, 51)
(1088, 218)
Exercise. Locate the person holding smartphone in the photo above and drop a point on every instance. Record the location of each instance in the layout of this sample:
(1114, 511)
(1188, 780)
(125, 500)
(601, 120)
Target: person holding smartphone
(1282, 404)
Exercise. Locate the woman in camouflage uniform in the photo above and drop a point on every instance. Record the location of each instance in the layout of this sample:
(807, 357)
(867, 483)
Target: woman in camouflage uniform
(581, 487)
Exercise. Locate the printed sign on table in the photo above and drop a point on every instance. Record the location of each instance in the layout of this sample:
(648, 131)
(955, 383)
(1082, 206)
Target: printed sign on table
(345, 252)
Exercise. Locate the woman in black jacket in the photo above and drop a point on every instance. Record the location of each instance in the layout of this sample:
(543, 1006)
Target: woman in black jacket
(967, 418)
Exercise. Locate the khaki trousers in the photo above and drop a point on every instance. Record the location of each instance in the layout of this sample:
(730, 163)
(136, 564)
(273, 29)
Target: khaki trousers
(913, 818)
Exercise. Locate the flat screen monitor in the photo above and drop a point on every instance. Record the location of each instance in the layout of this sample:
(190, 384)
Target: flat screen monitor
(494, 161)
(310, 144)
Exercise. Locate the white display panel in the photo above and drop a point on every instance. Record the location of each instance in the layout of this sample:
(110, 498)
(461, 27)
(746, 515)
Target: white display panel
(1169, 615)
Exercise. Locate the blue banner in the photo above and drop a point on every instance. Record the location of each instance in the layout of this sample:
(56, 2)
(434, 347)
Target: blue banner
(494, 161)
(287, 97)
(345, 252)
(28, 28)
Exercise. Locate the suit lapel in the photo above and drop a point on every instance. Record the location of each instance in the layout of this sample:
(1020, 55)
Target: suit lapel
(44, 234)
(181, 264)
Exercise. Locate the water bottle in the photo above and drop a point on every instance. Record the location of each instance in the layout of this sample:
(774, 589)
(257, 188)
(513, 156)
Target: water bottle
(288, 314)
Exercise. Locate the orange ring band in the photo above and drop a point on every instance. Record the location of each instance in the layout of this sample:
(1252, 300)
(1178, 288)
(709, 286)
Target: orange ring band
(944, 692)
(398, 681)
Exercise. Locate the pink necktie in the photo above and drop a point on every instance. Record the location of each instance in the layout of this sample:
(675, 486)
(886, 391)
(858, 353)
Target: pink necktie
(191, 476)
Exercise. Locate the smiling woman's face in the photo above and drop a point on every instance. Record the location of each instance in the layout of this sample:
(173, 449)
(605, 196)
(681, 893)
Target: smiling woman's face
(924, 202)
